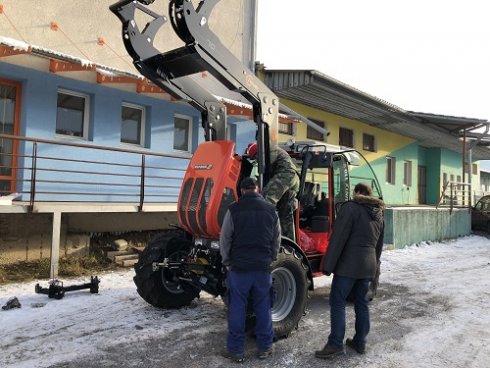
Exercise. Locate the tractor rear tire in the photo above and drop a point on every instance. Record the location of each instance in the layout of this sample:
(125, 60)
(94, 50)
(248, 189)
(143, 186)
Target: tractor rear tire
(290, 282)
(162, 288)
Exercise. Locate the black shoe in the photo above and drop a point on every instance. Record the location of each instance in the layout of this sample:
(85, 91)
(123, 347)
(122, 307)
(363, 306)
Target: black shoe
(265, 354)
(237, 358)
(350, 343)
(329, 351)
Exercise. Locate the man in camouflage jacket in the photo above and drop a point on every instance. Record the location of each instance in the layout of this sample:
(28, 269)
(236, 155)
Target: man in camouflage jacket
(282, 188)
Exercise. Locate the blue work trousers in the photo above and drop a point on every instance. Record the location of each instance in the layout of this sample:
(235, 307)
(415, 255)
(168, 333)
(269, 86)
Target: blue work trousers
(340, 290)
(242, 285)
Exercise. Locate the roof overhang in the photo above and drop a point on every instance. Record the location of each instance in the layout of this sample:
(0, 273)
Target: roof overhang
(71, 66)
(317, 90)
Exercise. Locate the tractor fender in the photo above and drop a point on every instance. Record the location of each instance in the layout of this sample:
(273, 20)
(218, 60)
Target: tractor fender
(288, 241)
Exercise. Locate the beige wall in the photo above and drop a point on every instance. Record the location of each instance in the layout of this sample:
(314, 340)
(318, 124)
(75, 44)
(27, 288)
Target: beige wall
(82, 22)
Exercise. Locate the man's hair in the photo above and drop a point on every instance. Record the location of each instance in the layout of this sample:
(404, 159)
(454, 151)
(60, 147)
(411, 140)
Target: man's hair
(248, 184)
(364, 189)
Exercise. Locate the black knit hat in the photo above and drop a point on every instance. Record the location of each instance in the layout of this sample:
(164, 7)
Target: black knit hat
(248, 183)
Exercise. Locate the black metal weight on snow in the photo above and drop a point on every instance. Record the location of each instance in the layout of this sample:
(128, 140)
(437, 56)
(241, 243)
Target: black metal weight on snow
(56, 289)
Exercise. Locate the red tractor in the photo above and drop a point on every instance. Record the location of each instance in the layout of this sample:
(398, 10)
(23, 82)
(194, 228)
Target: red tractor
(177, 265)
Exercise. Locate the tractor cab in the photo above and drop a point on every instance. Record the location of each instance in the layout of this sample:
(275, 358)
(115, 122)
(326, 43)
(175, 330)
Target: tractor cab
(328, 176)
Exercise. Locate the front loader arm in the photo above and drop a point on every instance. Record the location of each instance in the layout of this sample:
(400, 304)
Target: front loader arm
(149, 62)
(203, 51)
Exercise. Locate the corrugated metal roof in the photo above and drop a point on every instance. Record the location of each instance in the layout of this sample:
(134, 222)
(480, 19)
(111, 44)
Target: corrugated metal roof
(317, 90)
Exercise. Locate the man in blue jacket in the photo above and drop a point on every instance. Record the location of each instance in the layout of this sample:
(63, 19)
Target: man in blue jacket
(353, 254)
(249, 242)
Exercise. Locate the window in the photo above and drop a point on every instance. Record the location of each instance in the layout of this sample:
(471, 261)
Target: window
(72, 114)
(444, 178)
(474, 169)
(407, 173)
(286, 128)
(346, 137)
(182, 133)
(451, 178)
(132, 124)
(368, 142)
(390, 170)
(311, 133)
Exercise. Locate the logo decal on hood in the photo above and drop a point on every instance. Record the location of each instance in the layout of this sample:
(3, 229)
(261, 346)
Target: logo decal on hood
(203, 167)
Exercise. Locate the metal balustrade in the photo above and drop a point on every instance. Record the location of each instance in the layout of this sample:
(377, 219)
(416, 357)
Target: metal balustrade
(455, 195)
(60, 171)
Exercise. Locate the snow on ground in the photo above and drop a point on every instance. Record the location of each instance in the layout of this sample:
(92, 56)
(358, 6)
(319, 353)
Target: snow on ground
(449, 317)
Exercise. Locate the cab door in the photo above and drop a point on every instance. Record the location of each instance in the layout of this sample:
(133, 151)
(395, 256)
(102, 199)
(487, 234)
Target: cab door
(341, 182)
(349, 169)
(9, 125)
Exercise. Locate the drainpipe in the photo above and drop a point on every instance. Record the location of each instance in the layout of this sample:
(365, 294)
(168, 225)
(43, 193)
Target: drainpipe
(464, 152)
(253, 41)
(470, 153)
(470, 172)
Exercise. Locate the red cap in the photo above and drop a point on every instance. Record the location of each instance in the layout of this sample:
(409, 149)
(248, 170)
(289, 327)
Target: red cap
(252, 150)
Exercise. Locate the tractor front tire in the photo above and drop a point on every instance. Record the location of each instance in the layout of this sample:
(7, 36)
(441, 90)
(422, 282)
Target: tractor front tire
(162, 288)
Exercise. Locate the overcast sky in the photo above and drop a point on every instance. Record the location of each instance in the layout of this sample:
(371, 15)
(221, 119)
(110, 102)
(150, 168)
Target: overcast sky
(429, 56)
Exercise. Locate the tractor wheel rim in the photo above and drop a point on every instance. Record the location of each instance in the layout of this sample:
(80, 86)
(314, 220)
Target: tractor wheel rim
(285, 288)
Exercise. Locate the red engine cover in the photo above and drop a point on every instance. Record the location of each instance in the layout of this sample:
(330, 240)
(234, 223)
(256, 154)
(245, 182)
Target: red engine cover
(209, 187)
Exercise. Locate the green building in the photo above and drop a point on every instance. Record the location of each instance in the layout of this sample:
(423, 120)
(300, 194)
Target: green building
(414, 155)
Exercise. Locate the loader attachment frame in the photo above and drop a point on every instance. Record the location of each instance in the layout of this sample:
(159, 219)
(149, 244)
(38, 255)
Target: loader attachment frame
(202, 51)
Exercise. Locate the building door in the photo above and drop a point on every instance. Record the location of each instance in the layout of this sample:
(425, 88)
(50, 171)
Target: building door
(422, 184)
(9, 125)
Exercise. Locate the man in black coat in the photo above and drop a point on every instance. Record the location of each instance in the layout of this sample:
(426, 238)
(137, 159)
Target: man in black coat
(353, 254)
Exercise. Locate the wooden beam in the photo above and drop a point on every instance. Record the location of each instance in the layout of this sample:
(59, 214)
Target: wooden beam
(286, 120)
(145, 86)
(56, 66)
(103, 78)
(234, 110)
(9, 51)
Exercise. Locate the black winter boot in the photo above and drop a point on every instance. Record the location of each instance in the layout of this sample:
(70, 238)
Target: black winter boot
(329, 351)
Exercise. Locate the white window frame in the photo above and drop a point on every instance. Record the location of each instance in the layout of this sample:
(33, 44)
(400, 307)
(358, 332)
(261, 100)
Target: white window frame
(373, 149)
(86, 111)
(289, 128)
(353, 137)
(142, 123)
(189, 133)
(390, 168)
(407, 173)
(311, 133)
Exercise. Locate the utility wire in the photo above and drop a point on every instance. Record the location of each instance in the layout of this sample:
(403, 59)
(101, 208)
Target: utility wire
(73, 43)
(13, 25)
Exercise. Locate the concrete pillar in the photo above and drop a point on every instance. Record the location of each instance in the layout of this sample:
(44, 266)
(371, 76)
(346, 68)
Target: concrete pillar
(55, 245)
